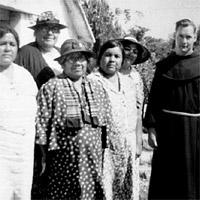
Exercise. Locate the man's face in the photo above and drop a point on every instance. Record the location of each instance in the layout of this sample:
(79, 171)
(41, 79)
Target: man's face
(184, 39)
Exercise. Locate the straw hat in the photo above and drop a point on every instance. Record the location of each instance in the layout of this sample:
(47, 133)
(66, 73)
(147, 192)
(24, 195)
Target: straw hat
(143, 52)
(71, 46)
(47, 18)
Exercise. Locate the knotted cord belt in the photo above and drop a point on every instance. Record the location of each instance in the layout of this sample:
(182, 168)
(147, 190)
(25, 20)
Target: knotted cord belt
(182, 113)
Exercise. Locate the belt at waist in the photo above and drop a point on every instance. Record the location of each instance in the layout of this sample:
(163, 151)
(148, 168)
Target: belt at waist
(181, 113)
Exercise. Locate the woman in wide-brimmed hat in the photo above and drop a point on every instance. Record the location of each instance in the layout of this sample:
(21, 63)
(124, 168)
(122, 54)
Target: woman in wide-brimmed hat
(73, 112)
(138, 53)
(135, 53)
(38, 56)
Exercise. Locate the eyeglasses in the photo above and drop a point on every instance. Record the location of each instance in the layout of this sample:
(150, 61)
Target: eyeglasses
(72, 59)
(46, 29)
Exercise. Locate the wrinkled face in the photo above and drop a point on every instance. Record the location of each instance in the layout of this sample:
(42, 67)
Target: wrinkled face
(111, 60)
(184, 40)
(47, 35)
(75, 65)
(8, 49)
(131, 53)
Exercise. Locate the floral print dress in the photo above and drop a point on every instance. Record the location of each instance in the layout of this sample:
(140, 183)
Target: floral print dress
(119, 174)
(139, 87)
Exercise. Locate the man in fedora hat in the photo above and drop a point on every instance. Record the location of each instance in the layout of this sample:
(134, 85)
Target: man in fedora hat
(39, 55)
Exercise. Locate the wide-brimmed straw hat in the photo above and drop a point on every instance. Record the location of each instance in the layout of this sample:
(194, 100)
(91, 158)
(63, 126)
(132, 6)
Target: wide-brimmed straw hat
(143, 52)
(71, 46)
(47, 18)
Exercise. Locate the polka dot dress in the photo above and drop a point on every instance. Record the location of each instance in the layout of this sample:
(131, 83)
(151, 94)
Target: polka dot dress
(74, 160)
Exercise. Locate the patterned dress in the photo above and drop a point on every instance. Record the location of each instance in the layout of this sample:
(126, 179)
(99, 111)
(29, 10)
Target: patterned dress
(119, 159)
(138, 84)
(72, 130)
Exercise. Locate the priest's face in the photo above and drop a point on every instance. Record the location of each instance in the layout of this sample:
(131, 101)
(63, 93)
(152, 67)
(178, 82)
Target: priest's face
(184, 40)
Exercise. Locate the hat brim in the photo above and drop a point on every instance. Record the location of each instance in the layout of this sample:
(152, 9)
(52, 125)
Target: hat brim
(60, 26)
(61, 58)
(143, 52)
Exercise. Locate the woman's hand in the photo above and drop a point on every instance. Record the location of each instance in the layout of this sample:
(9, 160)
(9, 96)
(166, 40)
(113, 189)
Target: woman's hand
(43, 164)
(138, 147)
(44, 158)
(139, 141)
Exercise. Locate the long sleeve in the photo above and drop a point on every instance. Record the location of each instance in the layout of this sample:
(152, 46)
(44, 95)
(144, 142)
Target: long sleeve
(44, 113)
(153, 105)
(31, 59)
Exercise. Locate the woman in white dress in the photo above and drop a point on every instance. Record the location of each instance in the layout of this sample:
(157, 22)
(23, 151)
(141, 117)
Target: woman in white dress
(17, 121)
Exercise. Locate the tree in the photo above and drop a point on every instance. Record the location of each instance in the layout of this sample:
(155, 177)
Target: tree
(138, 32)
(197, 43)
(104, 24)
(159, 47)
(102, 20)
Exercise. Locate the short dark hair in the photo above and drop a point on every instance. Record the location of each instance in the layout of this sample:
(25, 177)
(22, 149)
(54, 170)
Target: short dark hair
(8, 29)
(185, 23)
(107, 45)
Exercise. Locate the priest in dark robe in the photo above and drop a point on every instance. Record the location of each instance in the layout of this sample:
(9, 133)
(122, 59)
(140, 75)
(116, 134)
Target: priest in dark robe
(173, 120)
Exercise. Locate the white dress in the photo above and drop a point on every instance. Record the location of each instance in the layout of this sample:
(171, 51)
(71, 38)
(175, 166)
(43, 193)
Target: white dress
(17, 134)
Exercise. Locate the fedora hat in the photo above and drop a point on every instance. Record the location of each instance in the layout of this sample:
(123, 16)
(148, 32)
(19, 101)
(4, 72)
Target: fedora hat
(143, 52)
(47, 18)
(71, 46)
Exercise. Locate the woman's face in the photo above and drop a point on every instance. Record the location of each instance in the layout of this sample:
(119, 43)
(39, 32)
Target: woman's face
(75, 65)
(8, 49)
(47, 36)
(111, 60)
(131, 53)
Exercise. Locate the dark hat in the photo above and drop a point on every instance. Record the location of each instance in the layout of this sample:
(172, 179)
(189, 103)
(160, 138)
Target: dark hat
(143, 52)
(46, 18)
(71, 46)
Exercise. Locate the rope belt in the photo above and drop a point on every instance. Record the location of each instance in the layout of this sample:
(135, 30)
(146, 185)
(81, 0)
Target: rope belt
(181, 113)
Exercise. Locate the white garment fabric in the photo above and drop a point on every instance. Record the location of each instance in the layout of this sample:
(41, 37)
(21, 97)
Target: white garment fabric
(17, 134)
(137, 81)
(54, 65)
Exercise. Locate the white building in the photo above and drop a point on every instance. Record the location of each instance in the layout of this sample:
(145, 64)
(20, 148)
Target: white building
(21, 14)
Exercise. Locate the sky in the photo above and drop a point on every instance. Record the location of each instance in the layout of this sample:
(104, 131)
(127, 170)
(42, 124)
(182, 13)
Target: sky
(159, 16)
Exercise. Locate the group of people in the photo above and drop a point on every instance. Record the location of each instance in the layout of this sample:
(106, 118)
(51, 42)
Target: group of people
(84, 131)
